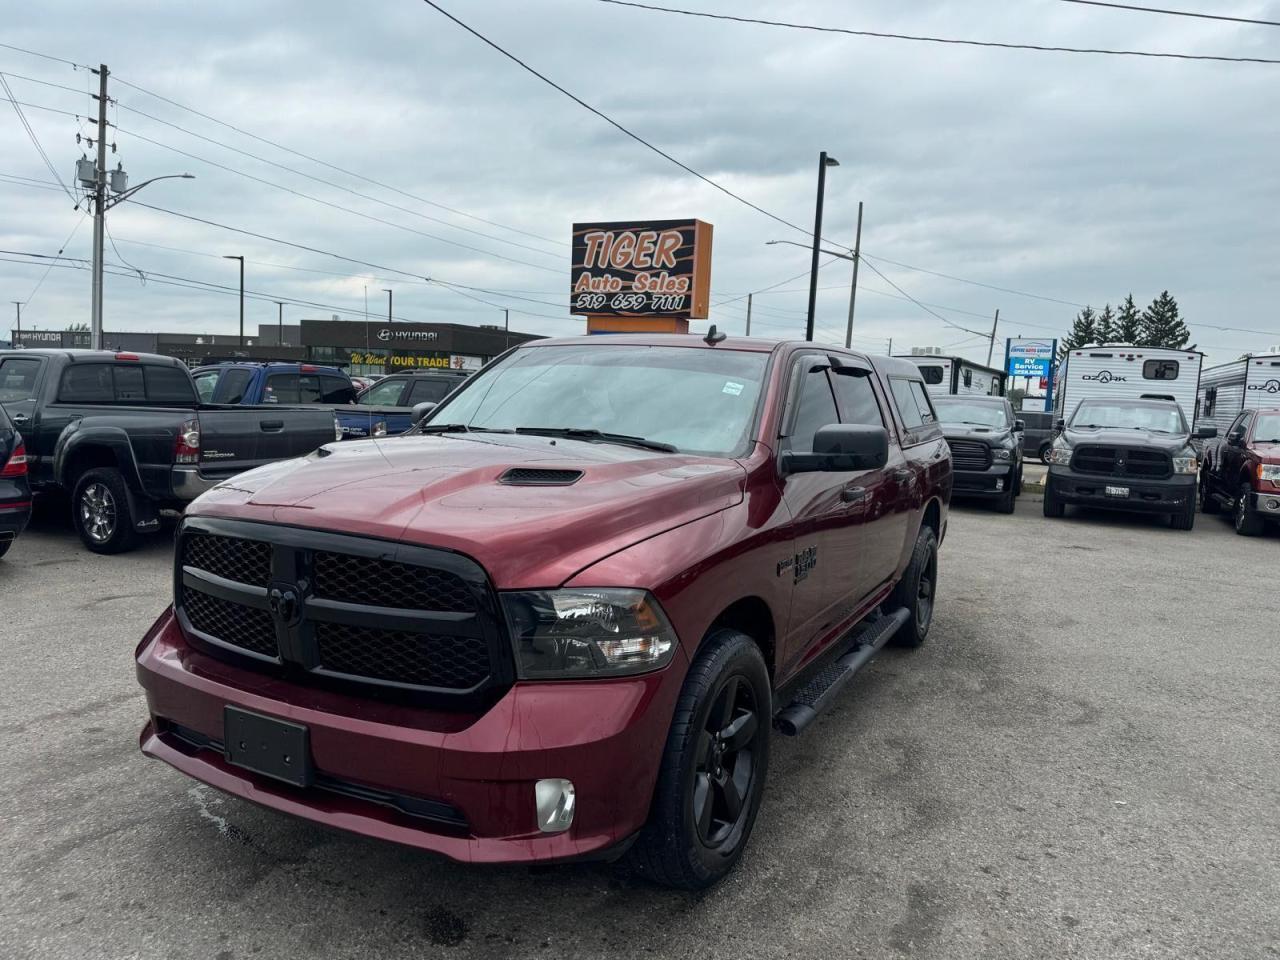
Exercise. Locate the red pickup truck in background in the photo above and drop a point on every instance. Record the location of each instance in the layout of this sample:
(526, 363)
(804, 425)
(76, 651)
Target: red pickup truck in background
(1242, 472)
(561, 617)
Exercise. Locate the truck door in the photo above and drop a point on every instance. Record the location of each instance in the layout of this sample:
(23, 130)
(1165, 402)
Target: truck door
(20, 378)
(1233, 454)
(878, 515)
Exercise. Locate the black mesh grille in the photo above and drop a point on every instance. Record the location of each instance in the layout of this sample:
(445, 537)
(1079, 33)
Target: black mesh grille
(232, 623)
(969, 454)
(1120, 462)
(245, 561)
(451, 662)
(527, 476)
(385, 583)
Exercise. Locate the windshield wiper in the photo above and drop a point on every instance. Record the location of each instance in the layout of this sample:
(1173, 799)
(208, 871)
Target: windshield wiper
(586, 433)
(971, 423)
(456, 428)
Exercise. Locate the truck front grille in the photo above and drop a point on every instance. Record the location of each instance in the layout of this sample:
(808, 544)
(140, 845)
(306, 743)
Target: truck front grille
(969, 454)
(326, 608)
(1122, 462)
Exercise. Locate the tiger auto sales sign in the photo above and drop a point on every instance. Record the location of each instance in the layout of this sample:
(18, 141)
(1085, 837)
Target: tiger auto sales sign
(654, 268)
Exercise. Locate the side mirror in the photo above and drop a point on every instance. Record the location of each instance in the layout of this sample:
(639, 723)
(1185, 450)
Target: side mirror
(1205, 433)
(1019, 426)
(1235, 438)
(839, 447)
(1059, 425)
(420, 410)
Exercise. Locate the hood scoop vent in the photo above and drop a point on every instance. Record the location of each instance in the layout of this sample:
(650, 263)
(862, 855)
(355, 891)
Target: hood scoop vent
(530, 477)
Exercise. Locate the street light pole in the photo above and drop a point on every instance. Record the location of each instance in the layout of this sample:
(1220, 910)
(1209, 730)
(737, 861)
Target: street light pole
(853, 290)
(18, 335)
(823, 162)
(388, 293)
(279, 323)
(241, 259)
(506, 329)
(99, 213)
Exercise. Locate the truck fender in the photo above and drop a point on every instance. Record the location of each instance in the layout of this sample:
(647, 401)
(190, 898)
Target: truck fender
(113, 441)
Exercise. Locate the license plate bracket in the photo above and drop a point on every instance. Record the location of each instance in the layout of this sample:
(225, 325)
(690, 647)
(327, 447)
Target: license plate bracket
(272, 747)
(1114, 491)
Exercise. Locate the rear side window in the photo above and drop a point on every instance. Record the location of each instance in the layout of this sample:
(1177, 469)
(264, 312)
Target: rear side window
(86, 383)
(932, 374)
(816, 408)
(337, 390)
(857, 400)
(129, 385)
(1160, 370)
(206, 384)
(904, 399)
(281, 388)
(168, 385)
(927, 413)
(428, 390)
(18, 378)
(384, 393)
(234, 383)
(309, 389)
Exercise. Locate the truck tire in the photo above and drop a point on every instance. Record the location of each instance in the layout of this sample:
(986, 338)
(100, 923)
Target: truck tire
(1247, 523)
(1044, 452)
(1208, 503)
(100, 511)
(916, 590)
(1053, 507)
(1184, 519)
(713, 768)
(4, 548)
(1008, 500)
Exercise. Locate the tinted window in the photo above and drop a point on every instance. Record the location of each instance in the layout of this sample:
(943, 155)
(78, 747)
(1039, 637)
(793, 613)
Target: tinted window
(432, 390)
(336, 390)
(234, 383)
(816, 408)
(922, 401)
(206, 384)
(309, 389)
(385, 393)
(931, 374)
(18, 378)
(281, 388)
(129, 388)
(905, 401)
(1160, 370)
(168, 385)
(857, 400)
(86, 383)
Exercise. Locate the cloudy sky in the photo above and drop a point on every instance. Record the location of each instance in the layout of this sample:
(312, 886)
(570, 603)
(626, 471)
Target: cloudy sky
(1076, 178)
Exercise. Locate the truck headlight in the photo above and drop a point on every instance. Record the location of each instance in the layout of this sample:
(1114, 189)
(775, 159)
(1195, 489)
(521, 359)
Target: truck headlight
(1002, 455)
(1060, 454)
(595, 632)
(1185, 465)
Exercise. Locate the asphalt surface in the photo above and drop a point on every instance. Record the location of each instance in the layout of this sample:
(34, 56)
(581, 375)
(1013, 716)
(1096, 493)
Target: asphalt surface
(1084, 761)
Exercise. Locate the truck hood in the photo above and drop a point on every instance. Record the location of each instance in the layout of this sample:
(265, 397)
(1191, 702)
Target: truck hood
(445, 491)
(1169, 443)
(994, 436)
(1267, 452)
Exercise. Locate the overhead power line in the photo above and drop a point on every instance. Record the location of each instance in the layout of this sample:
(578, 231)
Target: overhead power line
(612, 122)
(1040, 48)
(928, 310)
(1177, 13)
(976, 283)
(35, 141)
(46, 56)
(325, 163)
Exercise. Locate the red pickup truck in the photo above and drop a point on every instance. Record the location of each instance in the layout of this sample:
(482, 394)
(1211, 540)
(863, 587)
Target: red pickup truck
(1242, 472)
(560, 618)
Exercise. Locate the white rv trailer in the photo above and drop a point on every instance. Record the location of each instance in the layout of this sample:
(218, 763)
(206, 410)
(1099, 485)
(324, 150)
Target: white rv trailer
(1250, 383)
(956, 376)
(1116, 371)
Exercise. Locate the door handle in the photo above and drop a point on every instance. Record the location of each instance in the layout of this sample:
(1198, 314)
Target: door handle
(271, 426)
(852, 494)
(21, 420)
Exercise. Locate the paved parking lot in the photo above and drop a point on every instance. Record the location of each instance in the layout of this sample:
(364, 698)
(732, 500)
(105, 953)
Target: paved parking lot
(1082, 762)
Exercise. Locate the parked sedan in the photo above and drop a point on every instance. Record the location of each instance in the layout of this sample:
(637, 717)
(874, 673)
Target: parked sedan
(15, 493)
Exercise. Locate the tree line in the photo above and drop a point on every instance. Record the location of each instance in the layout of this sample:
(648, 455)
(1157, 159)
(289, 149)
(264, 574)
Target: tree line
(1159, 325)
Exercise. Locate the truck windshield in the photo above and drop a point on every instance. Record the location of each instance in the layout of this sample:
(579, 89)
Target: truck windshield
(968, 412)
(1096, 415)
(1268, 428)
(697, 400)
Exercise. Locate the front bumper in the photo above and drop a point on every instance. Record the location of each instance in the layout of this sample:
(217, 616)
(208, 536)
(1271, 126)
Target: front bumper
(1146, 495)
(1266, 505)
(991, 482)
(607, 737)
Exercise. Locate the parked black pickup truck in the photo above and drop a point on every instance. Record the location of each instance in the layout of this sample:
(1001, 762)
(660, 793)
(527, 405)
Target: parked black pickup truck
(125, 434)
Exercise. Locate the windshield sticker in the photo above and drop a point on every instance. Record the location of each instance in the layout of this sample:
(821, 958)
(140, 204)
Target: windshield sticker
(732, 388)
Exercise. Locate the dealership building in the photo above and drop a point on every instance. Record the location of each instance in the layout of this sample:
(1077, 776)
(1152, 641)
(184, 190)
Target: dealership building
(358, 346)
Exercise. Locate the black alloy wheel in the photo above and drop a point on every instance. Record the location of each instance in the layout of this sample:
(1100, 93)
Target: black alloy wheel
(925, 587)
(1208, 504)
(725, 770)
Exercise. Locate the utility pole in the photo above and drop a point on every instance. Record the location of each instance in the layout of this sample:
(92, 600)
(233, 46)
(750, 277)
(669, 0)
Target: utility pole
(749, 314)
(506, 329)
(853, 290)
(823, 162)
(18, 335)
(280, 323)
(992, 345)
(388, 293)
(99, 212)
(890, 346)
(241, 259)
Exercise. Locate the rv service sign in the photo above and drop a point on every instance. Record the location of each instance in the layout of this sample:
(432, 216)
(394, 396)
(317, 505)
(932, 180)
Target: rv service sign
(653, 268)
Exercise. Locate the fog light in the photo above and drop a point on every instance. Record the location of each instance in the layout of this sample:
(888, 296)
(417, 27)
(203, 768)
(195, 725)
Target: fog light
(554, 800)
(1273, 504)
(999, 484)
